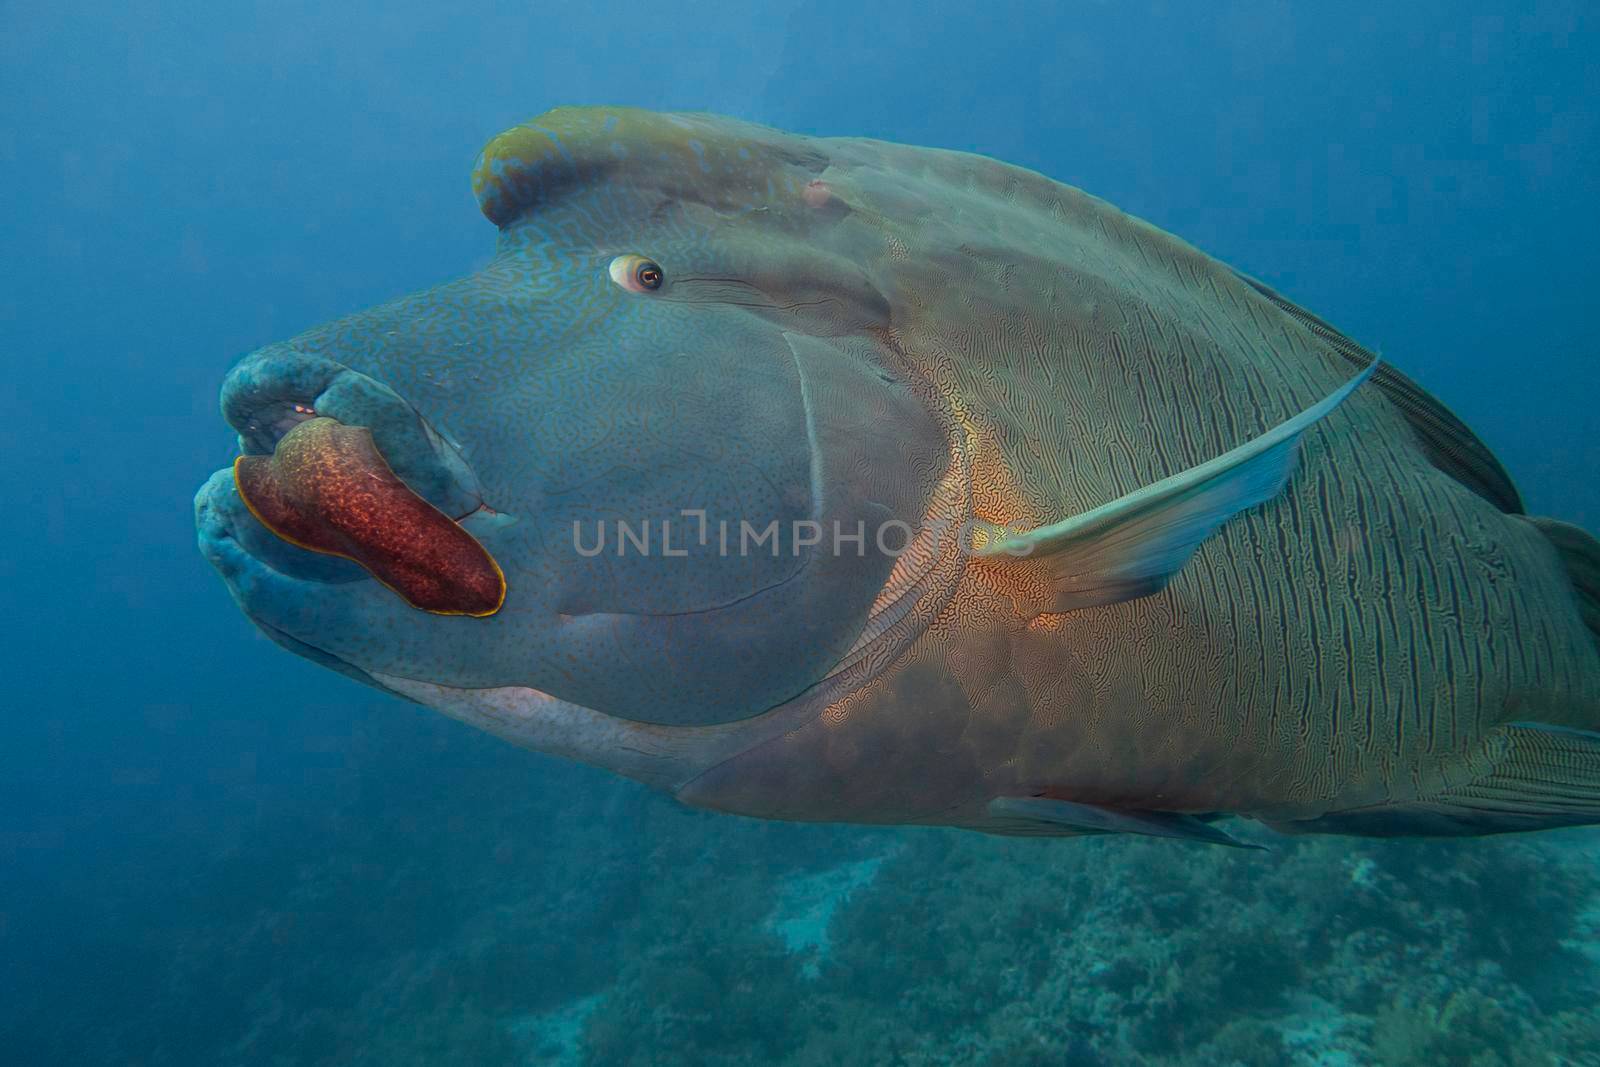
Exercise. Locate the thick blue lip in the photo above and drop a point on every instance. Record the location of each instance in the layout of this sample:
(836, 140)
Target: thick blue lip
(233, 540)
(273, 389)
(270, 390)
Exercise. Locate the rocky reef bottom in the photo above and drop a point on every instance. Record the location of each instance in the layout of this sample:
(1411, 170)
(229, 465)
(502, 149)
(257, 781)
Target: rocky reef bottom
(942, 947)
(497, 908)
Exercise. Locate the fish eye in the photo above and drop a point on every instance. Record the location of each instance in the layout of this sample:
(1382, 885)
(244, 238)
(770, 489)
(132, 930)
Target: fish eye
(637, 274)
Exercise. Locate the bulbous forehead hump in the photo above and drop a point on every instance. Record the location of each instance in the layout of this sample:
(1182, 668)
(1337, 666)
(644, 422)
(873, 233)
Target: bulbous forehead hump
(723, 163)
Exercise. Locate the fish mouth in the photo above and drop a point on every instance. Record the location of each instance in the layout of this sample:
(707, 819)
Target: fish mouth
(347, 480)
(270, 392)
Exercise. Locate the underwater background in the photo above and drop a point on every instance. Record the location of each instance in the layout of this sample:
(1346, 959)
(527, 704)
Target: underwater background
(214, 852)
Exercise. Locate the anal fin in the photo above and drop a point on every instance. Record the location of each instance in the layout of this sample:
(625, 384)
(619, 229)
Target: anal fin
(1046, 815)
(1525, 776)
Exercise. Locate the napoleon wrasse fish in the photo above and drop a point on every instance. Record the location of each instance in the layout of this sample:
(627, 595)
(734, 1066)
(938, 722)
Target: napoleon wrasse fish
(1060, 525)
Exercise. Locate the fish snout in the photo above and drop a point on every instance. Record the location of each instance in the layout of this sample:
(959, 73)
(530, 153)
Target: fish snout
(270, 392)
(341, 478)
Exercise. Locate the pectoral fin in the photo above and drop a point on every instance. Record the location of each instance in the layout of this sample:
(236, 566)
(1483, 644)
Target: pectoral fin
(1046, 815)
(1133, 546)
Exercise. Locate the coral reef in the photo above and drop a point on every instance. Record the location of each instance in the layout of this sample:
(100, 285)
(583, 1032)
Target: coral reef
(473, 905)
(967, 949)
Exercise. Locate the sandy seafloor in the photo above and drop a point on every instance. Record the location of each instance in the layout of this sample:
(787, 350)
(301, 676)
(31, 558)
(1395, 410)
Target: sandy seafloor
(529, 912)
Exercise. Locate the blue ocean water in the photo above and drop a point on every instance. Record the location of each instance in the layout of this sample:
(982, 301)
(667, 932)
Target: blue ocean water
(214, 852)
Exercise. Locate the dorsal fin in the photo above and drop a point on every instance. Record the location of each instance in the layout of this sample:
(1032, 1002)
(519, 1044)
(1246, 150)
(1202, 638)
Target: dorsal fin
(1450, 445)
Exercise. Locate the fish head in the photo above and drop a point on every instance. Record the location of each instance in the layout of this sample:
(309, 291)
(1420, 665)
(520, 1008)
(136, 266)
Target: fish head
(656, 459)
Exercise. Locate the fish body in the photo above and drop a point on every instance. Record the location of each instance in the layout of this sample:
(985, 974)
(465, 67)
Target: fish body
(1078, 530)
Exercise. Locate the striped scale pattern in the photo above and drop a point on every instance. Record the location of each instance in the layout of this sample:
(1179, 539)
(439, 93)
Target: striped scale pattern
(1346, 645)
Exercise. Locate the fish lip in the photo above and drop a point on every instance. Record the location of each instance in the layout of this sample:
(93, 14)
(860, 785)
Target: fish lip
(273, 389)
(270, 391)
(242, 549)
